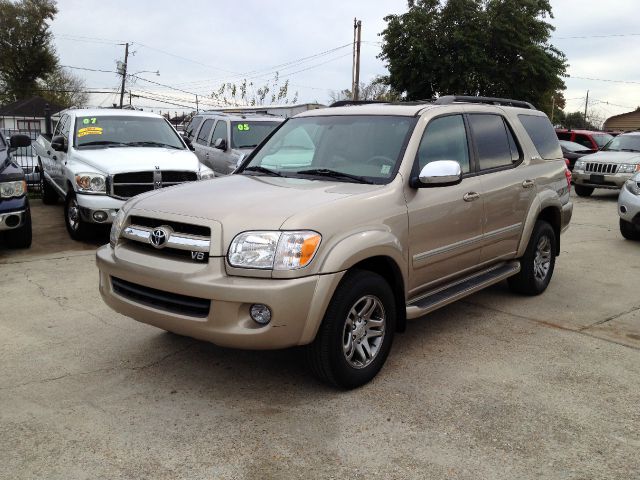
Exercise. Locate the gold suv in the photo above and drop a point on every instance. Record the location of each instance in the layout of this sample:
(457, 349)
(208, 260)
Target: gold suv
(342, 225)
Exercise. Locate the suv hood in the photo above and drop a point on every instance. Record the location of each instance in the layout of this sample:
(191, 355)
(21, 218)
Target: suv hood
(242, 202)
(613, 157)
(136, 159)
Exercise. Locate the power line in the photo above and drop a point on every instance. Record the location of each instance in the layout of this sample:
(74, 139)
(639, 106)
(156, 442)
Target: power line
(598, 36)
(604, 80)
(88, 69)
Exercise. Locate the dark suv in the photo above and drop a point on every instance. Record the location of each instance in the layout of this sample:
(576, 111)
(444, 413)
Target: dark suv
(15, 215)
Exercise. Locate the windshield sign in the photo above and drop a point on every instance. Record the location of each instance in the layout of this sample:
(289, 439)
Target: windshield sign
(249, 135)
(125, 131)
(624, 143)
(347, 148)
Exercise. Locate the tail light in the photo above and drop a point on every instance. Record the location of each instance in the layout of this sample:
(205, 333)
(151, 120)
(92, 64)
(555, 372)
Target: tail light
(567, 174)
(567, 163)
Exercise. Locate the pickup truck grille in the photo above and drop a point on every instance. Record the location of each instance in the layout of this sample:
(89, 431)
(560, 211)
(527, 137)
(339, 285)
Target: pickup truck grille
(592, 167)
(179, 240)
(127, 185)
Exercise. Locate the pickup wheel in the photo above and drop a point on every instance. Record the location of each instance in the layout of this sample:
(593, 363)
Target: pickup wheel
(356, 334)
(537, 263)
(49, 195)
(629, 230)
(583, 191)
(20, 237)
(77, 228)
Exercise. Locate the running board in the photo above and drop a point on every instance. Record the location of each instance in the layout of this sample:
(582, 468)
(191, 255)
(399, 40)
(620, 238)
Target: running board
(451, 292)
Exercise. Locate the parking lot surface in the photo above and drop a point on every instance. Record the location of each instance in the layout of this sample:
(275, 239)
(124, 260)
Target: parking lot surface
(494, 386)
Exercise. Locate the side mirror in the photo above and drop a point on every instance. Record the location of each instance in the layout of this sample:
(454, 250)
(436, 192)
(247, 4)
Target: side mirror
(190, 146)
(220, 143)
(18, 140)
(59, 143)
(440, 173)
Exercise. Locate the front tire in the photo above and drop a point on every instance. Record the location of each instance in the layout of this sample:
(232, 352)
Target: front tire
(78, 229)
(537, 263)
(629, 230)
(356, 333)
(20, 237)
(583, 191)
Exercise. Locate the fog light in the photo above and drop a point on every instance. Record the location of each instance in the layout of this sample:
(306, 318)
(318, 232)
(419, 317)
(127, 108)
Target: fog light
(623, 209)
(12, 221)
(100, 216)
(260, 313)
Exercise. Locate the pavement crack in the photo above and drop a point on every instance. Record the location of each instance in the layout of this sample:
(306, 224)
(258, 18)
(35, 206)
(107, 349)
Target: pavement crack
(612, 317)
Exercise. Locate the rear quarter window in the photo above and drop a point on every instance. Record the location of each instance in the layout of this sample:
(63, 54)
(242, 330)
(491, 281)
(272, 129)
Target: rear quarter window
(542, 135)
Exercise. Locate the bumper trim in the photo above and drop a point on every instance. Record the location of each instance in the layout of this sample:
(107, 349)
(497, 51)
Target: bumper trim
(9, 216)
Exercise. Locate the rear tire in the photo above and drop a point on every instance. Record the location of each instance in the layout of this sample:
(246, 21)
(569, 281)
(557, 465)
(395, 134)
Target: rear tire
(583, 191)
(20, 237)
(78, 229)
(49, 195)
(629, 230)
(356, 334)
(537, 263)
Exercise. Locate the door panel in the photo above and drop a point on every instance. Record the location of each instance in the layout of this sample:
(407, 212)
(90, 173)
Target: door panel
(219, 158)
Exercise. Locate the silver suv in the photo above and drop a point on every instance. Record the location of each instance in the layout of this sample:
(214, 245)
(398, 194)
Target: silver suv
(222, 140)
(343, 225)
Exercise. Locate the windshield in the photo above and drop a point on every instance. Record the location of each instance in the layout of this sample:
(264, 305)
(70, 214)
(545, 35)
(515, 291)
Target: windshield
(624, 143)
(362, 146)
(124, 131)
(247, 134)
(602, 139)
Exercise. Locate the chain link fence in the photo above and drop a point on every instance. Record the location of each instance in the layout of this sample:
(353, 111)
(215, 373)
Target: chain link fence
(25, 157)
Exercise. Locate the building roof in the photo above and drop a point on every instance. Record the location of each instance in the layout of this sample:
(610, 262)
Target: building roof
(625, 122)
(30, 107)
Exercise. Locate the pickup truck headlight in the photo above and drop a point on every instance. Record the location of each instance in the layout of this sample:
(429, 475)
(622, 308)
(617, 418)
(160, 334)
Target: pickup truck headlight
(274, 250)
(91, 183)
(13, 189)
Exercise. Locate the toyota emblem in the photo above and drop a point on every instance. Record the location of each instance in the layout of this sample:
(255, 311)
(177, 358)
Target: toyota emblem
(160, 236)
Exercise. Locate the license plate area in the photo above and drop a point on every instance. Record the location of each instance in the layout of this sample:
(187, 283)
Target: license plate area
(596, 178)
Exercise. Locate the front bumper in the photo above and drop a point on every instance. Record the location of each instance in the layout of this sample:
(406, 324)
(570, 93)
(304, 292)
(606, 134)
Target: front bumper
(297, 305)
(12, 220)
(90, 204)
(629, 206)
(610, 181)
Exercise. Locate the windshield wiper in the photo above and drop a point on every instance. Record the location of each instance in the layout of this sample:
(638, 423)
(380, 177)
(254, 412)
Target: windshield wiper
(258, 168)
(247, 146)
(629, 150)
(152, 144)
(325, 172)
(103, 142)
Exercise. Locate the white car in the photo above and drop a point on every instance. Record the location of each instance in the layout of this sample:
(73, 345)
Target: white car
(629, 208)
(97, 159)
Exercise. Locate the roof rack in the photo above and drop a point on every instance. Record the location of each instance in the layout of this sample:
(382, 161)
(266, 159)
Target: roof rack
(507, 102)
(348, 103)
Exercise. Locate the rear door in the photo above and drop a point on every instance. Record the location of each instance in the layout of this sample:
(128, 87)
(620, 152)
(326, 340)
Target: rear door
(505, 187)
(220, 158)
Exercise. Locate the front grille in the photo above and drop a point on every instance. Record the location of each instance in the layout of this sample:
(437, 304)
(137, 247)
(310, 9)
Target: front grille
(593, 167)
(130, 184)
(167, 252)
(171, 302)
(176, 226)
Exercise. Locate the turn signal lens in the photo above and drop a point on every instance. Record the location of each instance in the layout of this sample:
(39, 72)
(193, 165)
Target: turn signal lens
(296, 249)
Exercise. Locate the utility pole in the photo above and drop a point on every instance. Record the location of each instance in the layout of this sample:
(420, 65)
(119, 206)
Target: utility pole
(357, 33)
(586, 104)
(124, 72)
(197, 109)
(553, 105)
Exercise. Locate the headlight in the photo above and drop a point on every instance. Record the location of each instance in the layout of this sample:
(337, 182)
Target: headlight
(627, 168)
(274, 250)
(116, 226)
(633, 185)
(206, 174)
(13, 189)
(580, 164)
(91, 183)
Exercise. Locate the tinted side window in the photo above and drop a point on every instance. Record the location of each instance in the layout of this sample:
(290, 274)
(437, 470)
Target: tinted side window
(491, 136)
(561, 135)
(542, 134)
(203, 134)
(445, 138)
(220, 131)
(192, 128)
(584, 140)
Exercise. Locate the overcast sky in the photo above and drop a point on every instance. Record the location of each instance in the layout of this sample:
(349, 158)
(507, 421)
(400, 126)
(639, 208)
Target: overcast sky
(196, 45)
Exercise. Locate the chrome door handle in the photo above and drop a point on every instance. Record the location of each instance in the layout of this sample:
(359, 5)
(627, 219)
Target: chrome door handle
(528, 183)
(471, 196)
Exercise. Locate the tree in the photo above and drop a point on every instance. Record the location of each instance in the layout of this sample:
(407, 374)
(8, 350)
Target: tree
(25, 42)
(63, 88)
(376, 89)
(476, 47)
(244, 93)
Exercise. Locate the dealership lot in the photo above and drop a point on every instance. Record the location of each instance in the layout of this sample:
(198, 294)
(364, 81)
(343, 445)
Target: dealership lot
(494, 386)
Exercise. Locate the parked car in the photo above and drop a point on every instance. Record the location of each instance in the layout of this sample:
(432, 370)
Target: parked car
(15, 213)
(397, 211)
(593, 140)
(223, 140)
(573, 151)
(611, 167)
(629, 208)
(97, 159)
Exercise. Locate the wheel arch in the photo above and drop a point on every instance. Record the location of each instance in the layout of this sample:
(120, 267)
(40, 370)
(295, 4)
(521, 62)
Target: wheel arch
(552, 216)
(548, 209)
